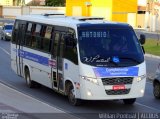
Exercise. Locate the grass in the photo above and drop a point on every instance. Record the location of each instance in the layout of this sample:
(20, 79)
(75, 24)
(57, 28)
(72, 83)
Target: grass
(152, 46)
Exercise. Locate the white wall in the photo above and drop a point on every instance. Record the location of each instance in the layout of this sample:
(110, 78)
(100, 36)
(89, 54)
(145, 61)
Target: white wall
(11, 11)
(41, 10)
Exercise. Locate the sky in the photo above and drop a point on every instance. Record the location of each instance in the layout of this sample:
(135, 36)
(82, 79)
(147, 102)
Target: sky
(27, 1)
(142, 2)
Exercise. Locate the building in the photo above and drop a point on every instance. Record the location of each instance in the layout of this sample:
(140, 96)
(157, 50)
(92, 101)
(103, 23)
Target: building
(17, 2)
(115, 10)
(6, 2)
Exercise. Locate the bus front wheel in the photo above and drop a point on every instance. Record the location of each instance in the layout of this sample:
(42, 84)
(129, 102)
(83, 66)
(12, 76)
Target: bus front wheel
(129, 101)
(71, 96)
(29, 82)
(156, 90)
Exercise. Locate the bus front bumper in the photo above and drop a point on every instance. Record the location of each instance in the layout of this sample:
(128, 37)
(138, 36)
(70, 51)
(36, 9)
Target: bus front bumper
(102, 92)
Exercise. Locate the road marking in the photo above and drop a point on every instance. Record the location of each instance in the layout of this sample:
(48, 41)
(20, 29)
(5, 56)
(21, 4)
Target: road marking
(27, 95)
(35, 99)
(5, 51)
(62, 109)
(147, 106)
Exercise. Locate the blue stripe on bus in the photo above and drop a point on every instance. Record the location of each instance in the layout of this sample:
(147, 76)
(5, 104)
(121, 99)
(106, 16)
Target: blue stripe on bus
(127, 71)
(33, 57)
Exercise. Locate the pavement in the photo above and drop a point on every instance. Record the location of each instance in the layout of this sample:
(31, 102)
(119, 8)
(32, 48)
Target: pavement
(16, 105)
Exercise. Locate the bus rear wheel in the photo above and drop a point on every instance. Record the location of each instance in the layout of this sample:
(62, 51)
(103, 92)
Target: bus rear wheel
(129, 101)
(29, 82)
(71, 96)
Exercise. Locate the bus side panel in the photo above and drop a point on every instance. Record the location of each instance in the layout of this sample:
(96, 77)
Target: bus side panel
(38, 65)
(13, 58)
(71, 72)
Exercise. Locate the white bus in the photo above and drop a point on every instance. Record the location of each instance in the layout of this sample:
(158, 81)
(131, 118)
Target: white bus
(84, 58)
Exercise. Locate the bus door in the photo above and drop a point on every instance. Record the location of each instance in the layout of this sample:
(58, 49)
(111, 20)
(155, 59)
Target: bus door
(57, 62)
(19, 47)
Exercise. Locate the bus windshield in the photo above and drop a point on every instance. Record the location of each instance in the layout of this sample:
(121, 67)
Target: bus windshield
(8, 27)
(109, 47)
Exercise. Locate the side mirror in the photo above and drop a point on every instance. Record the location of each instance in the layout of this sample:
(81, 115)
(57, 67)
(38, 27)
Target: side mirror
(142, 39)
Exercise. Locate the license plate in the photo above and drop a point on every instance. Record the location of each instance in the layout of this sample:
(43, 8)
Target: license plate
(118, 87)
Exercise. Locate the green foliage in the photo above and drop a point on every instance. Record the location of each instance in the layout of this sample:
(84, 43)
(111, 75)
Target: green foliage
(55, 2)
(152, 46)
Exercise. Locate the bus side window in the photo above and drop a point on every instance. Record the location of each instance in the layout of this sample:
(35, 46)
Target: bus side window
(28, 35)
(23, 27)
(55, 44)
(37, 36)
(30, 39)
(15, 32)
(46, 42)
(70, 51)
(33, 38)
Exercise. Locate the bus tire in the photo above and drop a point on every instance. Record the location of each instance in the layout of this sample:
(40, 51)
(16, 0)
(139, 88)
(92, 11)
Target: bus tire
(29, 82)
(156, 90)
(129, 101)
(71, 96)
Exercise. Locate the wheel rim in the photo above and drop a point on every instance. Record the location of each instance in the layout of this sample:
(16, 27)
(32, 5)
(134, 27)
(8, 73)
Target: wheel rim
(72, 96)
(156, 90)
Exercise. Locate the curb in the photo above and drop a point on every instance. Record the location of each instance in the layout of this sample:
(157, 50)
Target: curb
(155, 33)
(147, 32)
(152, 56)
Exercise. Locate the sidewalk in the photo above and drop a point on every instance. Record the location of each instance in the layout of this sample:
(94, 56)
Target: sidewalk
(145, 31)
(152, 56)
(16, 105)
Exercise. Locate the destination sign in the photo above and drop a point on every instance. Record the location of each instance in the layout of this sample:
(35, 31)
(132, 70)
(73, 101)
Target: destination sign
(94, 34)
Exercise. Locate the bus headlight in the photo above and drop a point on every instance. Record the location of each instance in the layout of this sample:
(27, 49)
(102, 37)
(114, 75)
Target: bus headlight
(142, 91)
(93, 80)
(139, 78)
(8, 34)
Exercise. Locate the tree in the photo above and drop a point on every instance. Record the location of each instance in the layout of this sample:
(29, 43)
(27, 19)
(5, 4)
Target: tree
(34, 3)
(55, 2)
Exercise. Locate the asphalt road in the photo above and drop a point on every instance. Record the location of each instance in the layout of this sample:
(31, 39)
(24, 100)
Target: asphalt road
(90, 109)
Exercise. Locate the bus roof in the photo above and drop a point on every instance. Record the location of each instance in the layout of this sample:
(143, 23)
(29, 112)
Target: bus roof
(62, 20)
